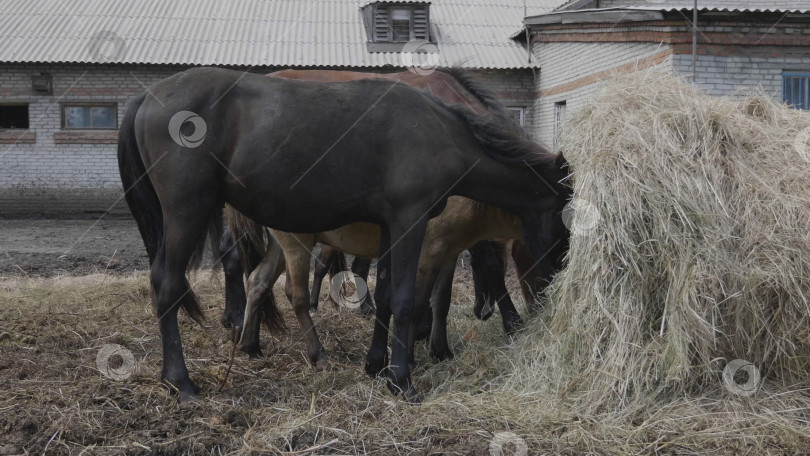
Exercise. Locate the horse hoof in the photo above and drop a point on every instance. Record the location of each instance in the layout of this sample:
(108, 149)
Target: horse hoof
(236, 334)
(225, 321)
(187, 391)
(483, 310)
(253, 351)
(367, 310)
(409, 394)
(322, 365)
(185, 398)
(513, 327)
(376, 368)
(442, 354)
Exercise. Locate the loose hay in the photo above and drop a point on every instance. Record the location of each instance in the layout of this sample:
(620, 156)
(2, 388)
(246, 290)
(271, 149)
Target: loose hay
(696, 251)
(690, 249)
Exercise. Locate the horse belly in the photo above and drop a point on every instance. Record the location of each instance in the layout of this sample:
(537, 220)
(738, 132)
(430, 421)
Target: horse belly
(359, 239)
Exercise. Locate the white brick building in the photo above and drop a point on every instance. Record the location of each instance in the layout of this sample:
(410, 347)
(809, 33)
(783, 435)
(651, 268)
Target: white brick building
(741, 46)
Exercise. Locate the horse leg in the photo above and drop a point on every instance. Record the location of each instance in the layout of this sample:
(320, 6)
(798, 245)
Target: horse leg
(260, 286)
(407, 236)
(171, 290)
(298, 278)
(486, 264)
(531, 283)
(235, 297)
(440, 303)
(425, 318)
(488, 272)
(361, 267)
(428, 273)
(327, 257)
(377, 358)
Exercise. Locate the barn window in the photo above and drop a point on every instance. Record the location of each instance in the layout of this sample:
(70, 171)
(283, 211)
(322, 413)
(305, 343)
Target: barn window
(559, 119)
(796, 90)
(14, 115)
(516, 112)
(389, 25)
(89, 116)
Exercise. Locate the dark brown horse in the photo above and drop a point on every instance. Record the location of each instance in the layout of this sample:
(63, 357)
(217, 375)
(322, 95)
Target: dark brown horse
(303, 156)
(452, 86)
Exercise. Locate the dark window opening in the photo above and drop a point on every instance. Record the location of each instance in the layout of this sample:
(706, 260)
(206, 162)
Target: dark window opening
(400, 25)
(796, 90)
(516, 113)
(390, 25)
(90, 116)
(559, 120)
(14, 116)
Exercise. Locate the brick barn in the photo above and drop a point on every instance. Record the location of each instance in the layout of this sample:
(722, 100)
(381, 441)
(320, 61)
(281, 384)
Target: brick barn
(68, 67)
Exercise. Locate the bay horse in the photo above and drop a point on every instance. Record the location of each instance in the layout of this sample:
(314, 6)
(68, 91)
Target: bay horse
(302, 156)
(461, 225)
(488, 264)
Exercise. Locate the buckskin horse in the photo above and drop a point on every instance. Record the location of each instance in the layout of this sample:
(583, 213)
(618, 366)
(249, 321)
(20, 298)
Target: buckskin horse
(461, 225)
(303, 156)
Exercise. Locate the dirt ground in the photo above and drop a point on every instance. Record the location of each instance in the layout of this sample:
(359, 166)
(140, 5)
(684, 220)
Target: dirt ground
(50, 247)
(70, 288)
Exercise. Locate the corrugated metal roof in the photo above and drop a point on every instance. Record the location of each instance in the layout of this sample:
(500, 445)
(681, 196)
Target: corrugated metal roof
(470, 33)
(734, 6)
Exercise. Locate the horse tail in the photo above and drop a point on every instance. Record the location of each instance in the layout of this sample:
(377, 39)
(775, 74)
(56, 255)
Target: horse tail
(141, 197)
(252, 241)
(487, 98)
(338, 265)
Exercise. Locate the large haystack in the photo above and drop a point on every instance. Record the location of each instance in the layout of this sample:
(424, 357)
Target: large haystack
(691, 247)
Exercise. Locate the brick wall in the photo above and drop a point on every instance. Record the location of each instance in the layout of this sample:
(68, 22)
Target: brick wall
(65, 172)
(47, 170)
(514, 88)
(741, 71)
(734, 58)
(572, 72)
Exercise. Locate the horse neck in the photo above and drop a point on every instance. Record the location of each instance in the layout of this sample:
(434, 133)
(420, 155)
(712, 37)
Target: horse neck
(497, 223)
(512, 187)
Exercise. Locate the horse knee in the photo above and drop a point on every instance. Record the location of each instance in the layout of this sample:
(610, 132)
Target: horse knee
(231, 263)
(167, 291)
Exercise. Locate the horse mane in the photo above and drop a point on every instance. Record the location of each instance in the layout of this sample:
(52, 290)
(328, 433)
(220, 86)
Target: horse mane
(502, 143)
(485, 96)
(503, 138)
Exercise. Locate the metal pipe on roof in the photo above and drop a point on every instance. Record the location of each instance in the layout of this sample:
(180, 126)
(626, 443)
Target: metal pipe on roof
(694, 42)
(528, 35)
